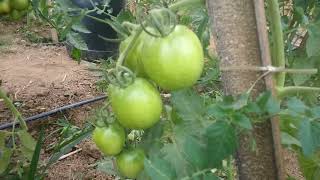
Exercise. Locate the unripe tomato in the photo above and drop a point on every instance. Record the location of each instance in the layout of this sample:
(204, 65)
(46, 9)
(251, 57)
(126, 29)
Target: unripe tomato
(130, 162)
(137, 106)
(174, 61)
(19, 4)
(4, 7)
(133, 58)
(110, 140)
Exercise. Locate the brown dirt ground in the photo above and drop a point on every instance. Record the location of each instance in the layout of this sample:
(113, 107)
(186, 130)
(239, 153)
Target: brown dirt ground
(43, 77)
(40, 78)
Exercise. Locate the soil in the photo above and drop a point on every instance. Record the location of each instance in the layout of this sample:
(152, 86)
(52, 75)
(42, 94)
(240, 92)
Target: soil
(41, 77)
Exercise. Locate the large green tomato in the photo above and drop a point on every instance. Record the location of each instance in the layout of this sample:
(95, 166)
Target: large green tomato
(4, 7)
(133, 59)
(175, 61)
(137, 106)
(110, 140)
(20, 4)
(130, 162)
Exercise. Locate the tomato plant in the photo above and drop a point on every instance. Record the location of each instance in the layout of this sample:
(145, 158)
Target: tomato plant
(5, 7)
(137, 106)
(110, 140)
(175, 61)
(130, 162)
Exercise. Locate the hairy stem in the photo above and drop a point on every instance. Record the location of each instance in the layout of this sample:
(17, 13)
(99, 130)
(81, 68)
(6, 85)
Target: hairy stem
(278, 58)
(130, 46)
(291, 90)
(13, 109)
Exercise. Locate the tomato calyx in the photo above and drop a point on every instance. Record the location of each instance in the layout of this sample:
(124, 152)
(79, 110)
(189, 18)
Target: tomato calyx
(160, 22)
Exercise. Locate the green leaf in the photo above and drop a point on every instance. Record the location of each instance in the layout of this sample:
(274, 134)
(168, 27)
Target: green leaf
(310, 166)
(106, 165)
(313, 41)
(76, 54)
(36, 157)
(242, 120)
(296, 106)
(214, 110)
(221, 142)
(159, 169)
(189, 105)
(301, 63)
(28, 144)
(309, 136)
(5, 152)
(195, 153)
(268, 103)
(67, 145)
(77, 41)
(288, 140)
(210, 176)
(173, 154)
(78, 27)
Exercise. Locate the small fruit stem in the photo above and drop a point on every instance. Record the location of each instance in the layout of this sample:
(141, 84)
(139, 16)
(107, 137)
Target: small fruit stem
(130, 46)
(13, 109)
(289, 90)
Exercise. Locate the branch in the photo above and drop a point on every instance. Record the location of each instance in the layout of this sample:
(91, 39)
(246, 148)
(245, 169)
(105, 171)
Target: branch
(13, 109)
(290, 90)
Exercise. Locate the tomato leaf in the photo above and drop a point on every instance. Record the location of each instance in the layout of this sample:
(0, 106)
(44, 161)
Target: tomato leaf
(310, 166)
(195, 152)
(309, 136)
(242, 120)
(221, 142)
(5, 152)
(159, 169)
(300, 63)
(28, 144)
(288, 140)
(268, 103)
(296, 106)
(189, 105)
(106, 165)
(313, 42)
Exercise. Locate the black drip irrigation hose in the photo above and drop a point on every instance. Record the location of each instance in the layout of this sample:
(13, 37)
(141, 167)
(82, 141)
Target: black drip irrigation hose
(54, 111)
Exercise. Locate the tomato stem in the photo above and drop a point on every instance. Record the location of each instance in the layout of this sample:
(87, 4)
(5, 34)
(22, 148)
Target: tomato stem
(278, 58)
(130, 46)
(289, 90)
(13, 109)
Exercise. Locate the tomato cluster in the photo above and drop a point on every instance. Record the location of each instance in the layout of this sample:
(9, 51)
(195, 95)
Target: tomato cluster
(16, 8)
(172, 62)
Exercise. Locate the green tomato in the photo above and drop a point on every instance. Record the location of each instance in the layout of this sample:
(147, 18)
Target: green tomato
(175, 61)
(110, 140)
(133, 59)
(137, 106)
(4, 7)
(19, 4)
(130, 162)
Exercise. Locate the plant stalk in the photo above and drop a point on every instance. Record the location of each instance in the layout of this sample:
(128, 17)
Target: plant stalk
(290, 90)
(129, 47)
(13, 109)
(278, 58)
